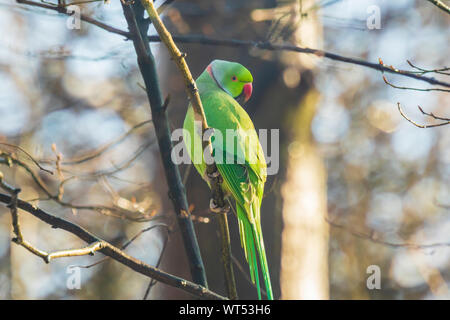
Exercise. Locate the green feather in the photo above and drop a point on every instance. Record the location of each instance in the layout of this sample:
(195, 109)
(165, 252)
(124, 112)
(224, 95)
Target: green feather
(243, 180)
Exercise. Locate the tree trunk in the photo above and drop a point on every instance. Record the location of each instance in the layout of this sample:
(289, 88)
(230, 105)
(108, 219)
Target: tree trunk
(304, 262)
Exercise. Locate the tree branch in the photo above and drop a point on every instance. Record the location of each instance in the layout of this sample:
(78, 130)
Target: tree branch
(123, 247)
(113, 252)
(372, 237)
(441, 5)
(211, 169)
(83, 17)
(138, 26)
(200, 39)
(414, 89)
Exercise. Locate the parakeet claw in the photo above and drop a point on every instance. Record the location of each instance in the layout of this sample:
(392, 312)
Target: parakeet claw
(213, 175)
(217, 209)
(214, 207)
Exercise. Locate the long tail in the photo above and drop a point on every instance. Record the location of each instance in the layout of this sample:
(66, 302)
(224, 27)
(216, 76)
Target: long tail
(252, 241)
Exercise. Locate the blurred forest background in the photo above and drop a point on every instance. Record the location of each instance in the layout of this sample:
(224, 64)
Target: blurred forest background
(358, 184)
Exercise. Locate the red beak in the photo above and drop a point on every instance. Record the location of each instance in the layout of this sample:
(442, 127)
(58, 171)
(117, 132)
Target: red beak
(247, 91)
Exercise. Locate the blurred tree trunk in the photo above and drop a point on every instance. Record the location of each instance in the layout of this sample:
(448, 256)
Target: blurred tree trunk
(304, 262)
(304, 249)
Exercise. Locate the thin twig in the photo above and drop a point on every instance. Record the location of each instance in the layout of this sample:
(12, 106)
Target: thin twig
(230, 281)
(245, 275)
(373, 238)
(430, 114)
(114, 211)
(414, 89)
(264, 45)
(165, 5)
(186, 173)
(421, 125)
(103, 149)
(442, 71)
(153, 281)
(89, 250)
(28, 155)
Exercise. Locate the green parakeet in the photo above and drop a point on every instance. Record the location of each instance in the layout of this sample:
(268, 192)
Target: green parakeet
(237, 152)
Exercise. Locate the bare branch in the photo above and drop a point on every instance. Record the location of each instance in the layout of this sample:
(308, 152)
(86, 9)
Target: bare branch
(89, 250)
(430, 114)
(200, 39)
(129, 242)
(103, 149)
(414, 89)
(245, 275)
(442, 71)
(28, 155)
(153, 281)
(114, 211)
(372, 237)
(447, 121)
(113, 252)
(441, 5)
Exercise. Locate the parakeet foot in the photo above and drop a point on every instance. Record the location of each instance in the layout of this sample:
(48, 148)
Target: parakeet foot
(217, 209)
(213, 175)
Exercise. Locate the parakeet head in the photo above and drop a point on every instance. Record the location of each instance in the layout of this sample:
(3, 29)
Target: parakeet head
(233, 78)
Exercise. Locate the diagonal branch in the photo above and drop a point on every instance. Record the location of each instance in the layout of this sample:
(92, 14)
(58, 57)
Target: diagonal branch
(211, 169)
(440, 5)
(47, 257)
(373, 238)
(138, 26)
(114, 252)
(413, 89)
(98, 152)
(115, 211)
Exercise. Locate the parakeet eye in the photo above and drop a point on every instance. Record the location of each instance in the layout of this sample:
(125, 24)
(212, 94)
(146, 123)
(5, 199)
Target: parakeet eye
(233, 78)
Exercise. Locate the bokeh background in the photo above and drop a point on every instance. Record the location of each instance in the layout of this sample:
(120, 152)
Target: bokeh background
(356, 183)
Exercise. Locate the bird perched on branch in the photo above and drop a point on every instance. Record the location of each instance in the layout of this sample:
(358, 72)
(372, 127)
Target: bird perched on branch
(237, 154)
